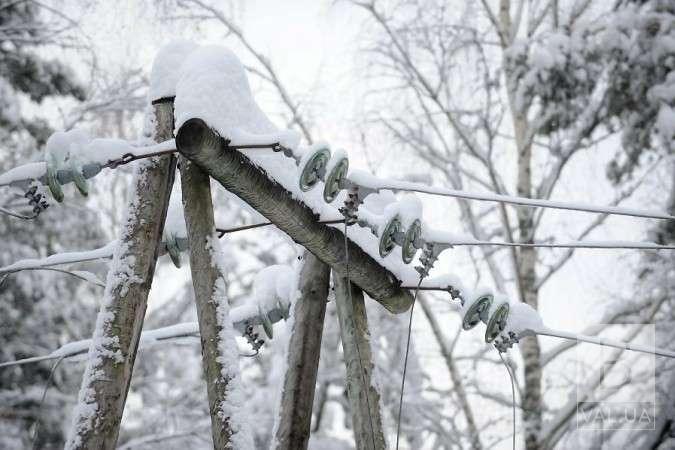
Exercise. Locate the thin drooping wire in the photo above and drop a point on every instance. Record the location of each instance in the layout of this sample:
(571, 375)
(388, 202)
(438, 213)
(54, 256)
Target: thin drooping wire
(356, 340)
(15, 214)
(223, 231)
(42, 401)
(405, 363)
(513, 395)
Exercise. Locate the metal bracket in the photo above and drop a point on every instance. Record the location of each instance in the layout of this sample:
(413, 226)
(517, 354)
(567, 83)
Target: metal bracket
(430, 252)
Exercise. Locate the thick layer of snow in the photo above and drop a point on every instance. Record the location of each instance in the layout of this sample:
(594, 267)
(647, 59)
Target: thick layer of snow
(274, 284)
(523, 319)
(214, 87)
(165, 68)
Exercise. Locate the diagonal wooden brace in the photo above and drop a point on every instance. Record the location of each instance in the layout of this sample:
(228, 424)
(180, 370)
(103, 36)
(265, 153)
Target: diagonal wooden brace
(199, 143)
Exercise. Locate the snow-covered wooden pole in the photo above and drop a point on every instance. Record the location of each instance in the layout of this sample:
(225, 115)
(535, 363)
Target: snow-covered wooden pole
(239, 175)
(364, 398)
(219, 349)
(302, 360)
(98, 413)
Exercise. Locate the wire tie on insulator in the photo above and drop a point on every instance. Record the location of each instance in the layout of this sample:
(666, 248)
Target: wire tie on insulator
(351, 205)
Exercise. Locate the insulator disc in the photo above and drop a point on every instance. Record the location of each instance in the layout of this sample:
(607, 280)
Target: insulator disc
(497, 322)
(52, 180)
(477, 311)
(173, 250)
(413, 233)
(266, 323)
(387, 242)
(333, 179)
(310, 172)
(284, 309)
(78, 178)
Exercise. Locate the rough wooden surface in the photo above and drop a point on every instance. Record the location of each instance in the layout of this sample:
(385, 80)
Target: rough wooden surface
(304, 348)
(107, 384)
(199, 221)
(239, 175)
(363, 396)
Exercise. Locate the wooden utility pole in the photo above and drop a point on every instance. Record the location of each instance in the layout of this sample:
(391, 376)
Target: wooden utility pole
(98, 414)
(363, 396)
(302, 359)
(232, 169)
(206, 274)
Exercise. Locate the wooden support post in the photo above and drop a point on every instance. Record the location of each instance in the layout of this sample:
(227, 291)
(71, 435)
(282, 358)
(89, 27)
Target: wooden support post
(239, 175)
(304, 348)
(98, 414)
(363, 396)
(198, 207)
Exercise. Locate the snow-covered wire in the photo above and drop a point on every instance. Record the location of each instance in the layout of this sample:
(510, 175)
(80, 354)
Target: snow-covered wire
(366, 180)
(605, 342)
(581, 244)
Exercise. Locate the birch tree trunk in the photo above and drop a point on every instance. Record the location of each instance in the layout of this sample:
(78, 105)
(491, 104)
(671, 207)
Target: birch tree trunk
(208, 282)
(364, 398)
(526, 260)
(97, 417)
(302, 359)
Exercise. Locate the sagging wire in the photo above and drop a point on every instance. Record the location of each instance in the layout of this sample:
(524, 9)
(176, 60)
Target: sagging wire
(223, 231)
(405, 363)
(513, 397)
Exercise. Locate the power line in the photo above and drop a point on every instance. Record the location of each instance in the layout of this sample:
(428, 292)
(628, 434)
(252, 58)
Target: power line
(589, 245)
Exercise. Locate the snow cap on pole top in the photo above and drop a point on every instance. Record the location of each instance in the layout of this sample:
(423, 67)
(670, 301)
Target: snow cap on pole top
(166, 68)
(213, 86)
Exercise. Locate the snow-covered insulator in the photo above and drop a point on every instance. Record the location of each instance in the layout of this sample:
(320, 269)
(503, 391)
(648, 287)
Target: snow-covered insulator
(76, 173)
(52, 178)
(173, 249)
(336, 171)
(499, 314)
(477, 311)
(284, 309)
(411, 239)
(313, 167)
(388, 235)
(266, 322)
